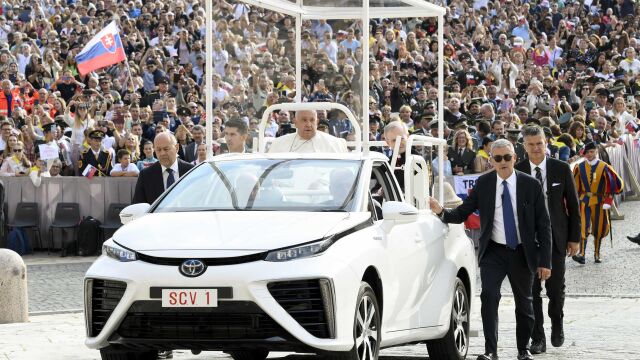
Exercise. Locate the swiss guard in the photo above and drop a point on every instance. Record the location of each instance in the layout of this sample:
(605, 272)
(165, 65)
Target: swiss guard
(95, 155)
(596, 183)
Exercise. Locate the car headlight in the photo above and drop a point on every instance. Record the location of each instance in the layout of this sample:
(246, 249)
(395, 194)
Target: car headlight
(114, 251)
(300, 251)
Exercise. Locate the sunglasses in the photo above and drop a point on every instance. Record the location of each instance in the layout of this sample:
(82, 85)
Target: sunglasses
(17, 150)
(498, 158)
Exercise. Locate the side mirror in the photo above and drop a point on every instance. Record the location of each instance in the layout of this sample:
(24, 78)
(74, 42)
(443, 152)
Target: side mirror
(133, 212)
(396, 212)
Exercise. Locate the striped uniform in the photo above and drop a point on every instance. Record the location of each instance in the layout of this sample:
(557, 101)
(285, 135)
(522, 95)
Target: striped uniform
(595, 184)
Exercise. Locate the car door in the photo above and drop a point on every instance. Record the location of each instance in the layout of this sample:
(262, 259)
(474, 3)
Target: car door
(405, 263)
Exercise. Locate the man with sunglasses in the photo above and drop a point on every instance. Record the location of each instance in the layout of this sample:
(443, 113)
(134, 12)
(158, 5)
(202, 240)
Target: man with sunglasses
(515, 242)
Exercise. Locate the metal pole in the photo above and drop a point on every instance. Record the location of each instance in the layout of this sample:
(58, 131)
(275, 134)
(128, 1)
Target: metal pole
(208, 72)
(441, 107)
(298, 19)
(364, 73)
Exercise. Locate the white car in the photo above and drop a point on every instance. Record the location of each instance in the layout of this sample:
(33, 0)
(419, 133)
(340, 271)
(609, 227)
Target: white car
(252, 253)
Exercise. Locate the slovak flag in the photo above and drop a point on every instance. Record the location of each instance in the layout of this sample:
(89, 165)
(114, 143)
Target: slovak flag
(103, 50)
(89, 171)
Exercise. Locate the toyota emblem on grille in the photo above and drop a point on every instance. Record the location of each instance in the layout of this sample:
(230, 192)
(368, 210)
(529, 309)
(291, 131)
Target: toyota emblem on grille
(192, 268)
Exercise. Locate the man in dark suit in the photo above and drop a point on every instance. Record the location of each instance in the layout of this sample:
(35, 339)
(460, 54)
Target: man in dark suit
(515, 242)
(559, 188)
(191, 150)
(155, 179)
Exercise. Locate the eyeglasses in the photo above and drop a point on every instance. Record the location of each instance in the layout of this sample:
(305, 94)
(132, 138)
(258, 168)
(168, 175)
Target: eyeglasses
(498, 158)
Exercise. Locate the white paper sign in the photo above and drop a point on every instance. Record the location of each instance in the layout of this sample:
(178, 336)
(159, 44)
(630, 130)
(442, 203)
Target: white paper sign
(48, 152)
(464, 183)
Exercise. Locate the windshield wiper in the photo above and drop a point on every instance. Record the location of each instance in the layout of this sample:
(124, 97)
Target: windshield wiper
(329, 210)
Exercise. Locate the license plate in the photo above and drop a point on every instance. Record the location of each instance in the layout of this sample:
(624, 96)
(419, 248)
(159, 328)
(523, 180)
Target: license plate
(189, 297)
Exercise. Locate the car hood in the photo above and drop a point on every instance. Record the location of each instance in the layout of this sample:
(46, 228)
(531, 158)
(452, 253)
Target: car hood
(245, 231)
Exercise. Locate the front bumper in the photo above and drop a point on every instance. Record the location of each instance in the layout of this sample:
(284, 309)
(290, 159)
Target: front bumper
(249, 282)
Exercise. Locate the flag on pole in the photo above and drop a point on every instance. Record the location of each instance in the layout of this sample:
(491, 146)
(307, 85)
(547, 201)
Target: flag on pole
(104, 49)
(89, 171)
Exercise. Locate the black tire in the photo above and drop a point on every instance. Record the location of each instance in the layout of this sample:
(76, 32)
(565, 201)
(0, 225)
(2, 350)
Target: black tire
(113, 354)
(249, 354)
(455, 344)
(367, 300)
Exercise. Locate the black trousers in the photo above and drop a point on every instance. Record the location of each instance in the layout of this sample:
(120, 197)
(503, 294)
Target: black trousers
(497, 263)
(555, 286)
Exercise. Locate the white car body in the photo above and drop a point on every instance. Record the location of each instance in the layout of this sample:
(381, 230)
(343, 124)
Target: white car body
(411, 258)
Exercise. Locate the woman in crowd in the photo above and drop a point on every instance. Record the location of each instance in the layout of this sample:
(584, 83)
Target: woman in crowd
(131, 144)
(578, 133)
(148, 159)
(78, 122)
(202, 154)
(461, 154)
(16, 163)
(481, 162)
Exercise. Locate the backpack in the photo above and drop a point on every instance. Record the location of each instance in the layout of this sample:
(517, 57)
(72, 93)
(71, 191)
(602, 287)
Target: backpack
(18, 241)
(89, 237)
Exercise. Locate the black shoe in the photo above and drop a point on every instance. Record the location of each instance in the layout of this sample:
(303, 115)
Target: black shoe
(488, 356)
(524, 355)
(579, 259)
(538, 347)
(635, 239)
(557, 334)
(598, 261)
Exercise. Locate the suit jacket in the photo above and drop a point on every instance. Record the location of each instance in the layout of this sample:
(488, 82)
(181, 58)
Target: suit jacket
(562, 202)
(150, 184)
(465, 161)
(190, 152)
(533, 219)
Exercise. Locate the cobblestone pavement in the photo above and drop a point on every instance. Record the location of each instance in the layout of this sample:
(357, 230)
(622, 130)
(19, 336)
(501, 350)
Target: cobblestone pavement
(595, 328)
(56, 287)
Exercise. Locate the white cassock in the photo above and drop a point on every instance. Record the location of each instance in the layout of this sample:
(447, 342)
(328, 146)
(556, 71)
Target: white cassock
(321, 142)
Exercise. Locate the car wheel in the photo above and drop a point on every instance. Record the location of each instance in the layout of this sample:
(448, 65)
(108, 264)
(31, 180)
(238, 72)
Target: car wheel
(113, 354)
(249, 354)
(455, 344)
(366, 327)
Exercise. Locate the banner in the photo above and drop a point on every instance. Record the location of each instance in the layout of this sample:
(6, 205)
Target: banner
(462, 185)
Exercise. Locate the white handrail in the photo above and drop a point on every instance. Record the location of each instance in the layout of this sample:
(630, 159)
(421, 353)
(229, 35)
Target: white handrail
(314, 106)
(425, 141)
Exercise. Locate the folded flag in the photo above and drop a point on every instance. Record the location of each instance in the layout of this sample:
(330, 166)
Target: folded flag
(104, 49)
(89, 171)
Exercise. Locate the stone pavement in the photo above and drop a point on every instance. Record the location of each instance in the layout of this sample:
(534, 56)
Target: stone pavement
(595, 328)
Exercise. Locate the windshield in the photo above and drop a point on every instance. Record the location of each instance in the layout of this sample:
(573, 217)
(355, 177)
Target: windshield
(266, 184)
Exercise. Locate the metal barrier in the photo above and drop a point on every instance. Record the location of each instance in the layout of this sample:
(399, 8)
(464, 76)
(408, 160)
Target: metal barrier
(94, 197)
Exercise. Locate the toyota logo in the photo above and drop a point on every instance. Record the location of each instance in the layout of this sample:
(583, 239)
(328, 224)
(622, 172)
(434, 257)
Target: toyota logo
(192, 268)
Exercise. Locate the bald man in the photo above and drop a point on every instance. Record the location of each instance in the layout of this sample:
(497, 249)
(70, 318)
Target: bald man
(155, 179)
(307, 139)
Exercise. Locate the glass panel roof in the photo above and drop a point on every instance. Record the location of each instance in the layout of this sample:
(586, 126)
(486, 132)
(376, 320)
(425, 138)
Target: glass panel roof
(354, 3)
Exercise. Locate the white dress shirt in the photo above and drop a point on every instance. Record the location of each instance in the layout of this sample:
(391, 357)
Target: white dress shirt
(498, 233)
(165, 173)
(543, 172)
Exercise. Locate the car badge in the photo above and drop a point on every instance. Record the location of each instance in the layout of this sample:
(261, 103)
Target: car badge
(192, 268)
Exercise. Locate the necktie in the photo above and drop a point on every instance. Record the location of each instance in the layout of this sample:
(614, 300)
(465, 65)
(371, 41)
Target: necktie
(170, 178)
(510, 231)
(460, 153)
(539, 175)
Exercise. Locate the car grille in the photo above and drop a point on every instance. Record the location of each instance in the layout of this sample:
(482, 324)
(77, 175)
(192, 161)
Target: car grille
(105, 296)
(231, 320)
(303, 300)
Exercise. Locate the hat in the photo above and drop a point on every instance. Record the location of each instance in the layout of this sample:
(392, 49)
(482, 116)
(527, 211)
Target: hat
(96, 134)
(564, 118)
(428, 116)
(602, 92)
(590, 146)
(513, 132)
(543, 106)
(183, 111)
(532, 120)
(151, 62)
(49, 127)
(430, 103)
(464, 56)
(476, 101)
(595, 80)
(433, 124)
(460, 125)
(163, 80)
(518, 41)
(616, 88)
